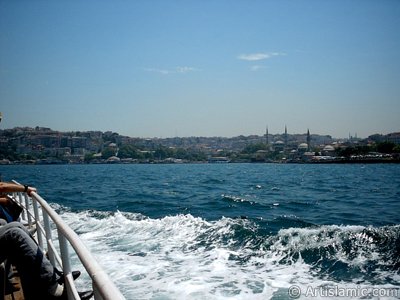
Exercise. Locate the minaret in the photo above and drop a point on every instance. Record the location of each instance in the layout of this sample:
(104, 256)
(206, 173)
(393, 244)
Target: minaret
(308, 140)
(285, 137)
(266, 137)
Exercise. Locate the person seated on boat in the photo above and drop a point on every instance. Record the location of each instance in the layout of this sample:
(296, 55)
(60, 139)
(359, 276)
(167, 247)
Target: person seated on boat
(39, 279)
(9, 210)
(9, 187)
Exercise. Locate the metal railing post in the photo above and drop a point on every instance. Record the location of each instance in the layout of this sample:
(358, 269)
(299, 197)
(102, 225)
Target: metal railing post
(37, 218)
(103, 287)
(47, 229)
(101, 281)
(27, 210)
(97, 295)
(23, 214)
(72, 293)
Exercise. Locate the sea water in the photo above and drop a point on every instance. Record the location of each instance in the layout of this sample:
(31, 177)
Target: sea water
(233, 231)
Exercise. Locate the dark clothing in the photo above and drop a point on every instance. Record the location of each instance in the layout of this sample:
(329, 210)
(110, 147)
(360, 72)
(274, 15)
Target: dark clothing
(36, 272)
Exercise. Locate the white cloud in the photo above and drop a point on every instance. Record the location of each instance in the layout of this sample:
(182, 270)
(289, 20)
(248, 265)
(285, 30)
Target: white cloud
(185, 69)
(160, 71)
(258, 56)
(253, 57)
(257, 67)
(180, 70)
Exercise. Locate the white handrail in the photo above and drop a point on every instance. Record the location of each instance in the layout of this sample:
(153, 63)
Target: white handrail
(103, 286)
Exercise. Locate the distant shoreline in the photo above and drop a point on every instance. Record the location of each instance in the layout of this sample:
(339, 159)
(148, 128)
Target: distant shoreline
(338, 161)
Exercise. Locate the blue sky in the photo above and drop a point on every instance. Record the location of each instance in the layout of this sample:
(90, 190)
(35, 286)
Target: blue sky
(201, 68)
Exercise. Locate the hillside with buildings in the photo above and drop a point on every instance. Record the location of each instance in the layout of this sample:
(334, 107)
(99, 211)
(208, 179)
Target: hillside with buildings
(45, 146)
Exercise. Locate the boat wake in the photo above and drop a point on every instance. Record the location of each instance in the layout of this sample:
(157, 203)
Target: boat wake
(184, 257)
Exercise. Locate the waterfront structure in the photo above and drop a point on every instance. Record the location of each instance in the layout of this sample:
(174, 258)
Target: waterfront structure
(26, 144)
(393, 137)
(302, 148)
(328, 150)
(279, 146)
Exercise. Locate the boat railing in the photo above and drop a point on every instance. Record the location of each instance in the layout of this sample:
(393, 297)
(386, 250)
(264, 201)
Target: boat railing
(38, 213)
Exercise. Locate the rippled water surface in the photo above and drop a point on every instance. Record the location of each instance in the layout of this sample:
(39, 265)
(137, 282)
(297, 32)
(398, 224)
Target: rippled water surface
(240, 231)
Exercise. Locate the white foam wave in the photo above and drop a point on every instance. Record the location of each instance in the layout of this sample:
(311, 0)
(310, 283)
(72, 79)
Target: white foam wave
(183, 257)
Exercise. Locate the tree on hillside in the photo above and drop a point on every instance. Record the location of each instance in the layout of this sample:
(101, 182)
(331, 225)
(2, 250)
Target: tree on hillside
(253, 148)
(385, 147)
(107, 153)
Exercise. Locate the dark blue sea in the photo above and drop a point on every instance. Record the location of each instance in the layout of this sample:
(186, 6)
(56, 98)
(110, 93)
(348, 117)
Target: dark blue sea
(233, 231)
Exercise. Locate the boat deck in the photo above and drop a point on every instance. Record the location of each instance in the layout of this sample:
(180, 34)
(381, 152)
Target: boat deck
(18, 293)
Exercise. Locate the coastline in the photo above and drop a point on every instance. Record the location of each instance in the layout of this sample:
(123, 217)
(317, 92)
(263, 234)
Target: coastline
(105, 162)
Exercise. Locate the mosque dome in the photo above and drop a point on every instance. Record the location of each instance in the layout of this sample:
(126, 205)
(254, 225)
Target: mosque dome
(279, 146)
(302, 146)
(329, 148)
(113, 159)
